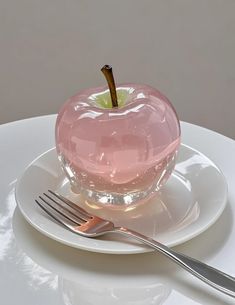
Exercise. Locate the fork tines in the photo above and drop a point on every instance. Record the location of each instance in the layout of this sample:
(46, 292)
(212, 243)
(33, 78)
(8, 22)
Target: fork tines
(62, 209)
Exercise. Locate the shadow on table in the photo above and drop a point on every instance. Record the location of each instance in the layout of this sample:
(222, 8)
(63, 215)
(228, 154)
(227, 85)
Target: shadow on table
(89, 278)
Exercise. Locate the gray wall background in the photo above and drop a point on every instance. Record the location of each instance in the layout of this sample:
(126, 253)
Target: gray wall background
(50, 49)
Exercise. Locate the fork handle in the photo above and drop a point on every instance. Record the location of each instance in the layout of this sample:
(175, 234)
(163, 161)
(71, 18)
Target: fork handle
(211, 276)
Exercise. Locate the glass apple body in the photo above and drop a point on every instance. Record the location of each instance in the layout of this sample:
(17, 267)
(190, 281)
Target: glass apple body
(117, 156)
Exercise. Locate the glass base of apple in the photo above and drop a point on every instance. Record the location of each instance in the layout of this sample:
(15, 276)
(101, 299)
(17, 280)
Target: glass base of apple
(97, 191)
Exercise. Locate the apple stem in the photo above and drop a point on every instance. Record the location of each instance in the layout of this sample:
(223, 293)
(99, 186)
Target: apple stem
(108, 73)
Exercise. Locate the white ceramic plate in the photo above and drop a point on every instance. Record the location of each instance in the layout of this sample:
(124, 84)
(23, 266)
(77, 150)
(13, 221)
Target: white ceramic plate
(191, 201)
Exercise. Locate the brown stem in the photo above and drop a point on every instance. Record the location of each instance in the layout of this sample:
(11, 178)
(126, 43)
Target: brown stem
(108, 73)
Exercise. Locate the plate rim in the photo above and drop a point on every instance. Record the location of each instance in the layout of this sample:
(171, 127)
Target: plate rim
(136, 249)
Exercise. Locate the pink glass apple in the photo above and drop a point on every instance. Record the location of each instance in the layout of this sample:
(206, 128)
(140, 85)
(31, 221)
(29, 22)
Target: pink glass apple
(118, 156)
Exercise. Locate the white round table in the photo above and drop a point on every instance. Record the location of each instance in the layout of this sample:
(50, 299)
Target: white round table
(37, 270)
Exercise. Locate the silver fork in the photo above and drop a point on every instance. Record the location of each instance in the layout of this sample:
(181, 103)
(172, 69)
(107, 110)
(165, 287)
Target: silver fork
(81, 222)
